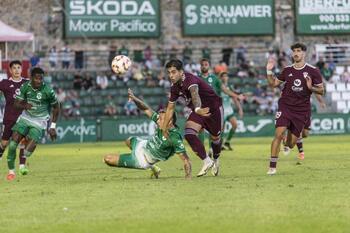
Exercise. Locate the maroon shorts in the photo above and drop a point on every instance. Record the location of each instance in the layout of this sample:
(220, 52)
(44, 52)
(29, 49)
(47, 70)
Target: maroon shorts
(308, 123)
(7, 130)
(213, 124)
(294, 121)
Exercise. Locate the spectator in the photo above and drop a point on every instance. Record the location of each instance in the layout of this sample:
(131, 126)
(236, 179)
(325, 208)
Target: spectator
(226, 55)
(326, 72)
(79, 59)
(163, 82)
(320, 63)
(101, 81)
(130, 108)
(206, 52)
(345, 77)
(65, 54)
(123, 51)
(112, 53)
(147, 53)
(221, 67)
(110, 107)
(78, 81)
(88, 83)
(34, 60)
(53, 57)
(61, 95)
(241, 54)
(187, 54)
(150, 82)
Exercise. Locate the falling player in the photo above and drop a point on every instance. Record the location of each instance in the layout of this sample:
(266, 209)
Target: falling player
(35, 99)
(204, 102)
(301, 80)
(10, 87)
(146, 152)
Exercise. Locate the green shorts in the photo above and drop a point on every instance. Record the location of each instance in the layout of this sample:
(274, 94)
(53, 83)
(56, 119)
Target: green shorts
(136, 159)
(29, 130)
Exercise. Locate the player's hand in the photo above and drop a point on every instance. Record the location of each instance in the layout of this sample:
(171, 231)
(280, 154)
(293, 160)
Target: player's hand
(203, 112)
(240, 113)
(53, 134)
(27, 106)
(270, 64)
(308, 82)
(131, 95)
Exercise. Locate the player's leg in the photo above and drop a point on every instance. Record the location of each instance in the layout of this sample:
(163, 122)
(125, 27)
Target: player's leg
(112, 159)
(22, 158)
(192, 127)
(299, 143)
(275, 148)
(233, 122)
(214, 125)
(11, 154)
(5, 140)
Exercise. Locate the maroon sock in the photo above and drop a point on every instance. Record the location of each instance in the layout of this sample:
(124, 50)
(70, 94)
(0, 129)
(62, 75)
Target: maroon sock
(195, 143)
(216, 146)
(300, 145)
(22, 158)
(273, 162)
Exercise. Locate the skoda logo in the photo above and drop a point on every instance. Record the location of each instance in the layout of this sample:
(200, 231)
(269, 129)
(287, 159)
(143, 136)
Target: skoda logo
(297, 82)
(38, 96)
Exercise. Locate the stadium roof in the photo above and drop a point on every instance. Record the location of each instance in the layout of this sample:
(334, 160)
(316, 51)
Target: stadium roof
(8, 33)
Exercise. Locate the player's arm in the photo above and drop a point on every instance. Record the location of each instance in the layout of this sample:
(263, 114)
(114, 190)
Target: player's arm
(55, 110)
(197, 103)
(168, 115)
(238, 106)
(228, 92)
(318, 89)
(140, 104)
(22, 104)
(187, 164)
(320, 100)
(272, 80)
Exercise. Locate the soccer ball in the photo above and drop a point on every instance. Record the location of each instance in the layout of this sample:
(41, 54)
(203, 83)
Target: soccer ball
(121, 64)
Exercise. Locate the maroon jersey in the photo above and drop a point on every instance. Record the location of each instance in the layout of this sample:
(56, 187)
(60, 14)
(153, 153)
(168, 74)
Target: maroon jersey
(295, 93)
(10, 88)
(206, 93)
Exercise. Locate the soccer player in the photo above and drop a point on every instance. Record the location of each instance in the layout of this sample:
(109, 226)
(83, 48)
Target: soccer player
(207, 113)
(35, 99)
(301, 80)
(228, 110)
(10, 87)
(219, 88)
(146, 152)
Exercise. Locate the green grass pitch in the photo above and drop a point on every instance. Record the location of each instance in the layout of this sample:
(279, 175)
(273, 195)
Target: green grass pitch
(69, 189)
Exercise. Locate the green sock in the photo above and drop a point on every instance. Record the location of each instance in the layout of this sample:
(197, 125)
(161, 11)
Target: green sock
(11, 155)
(202, 136)
(230, 134)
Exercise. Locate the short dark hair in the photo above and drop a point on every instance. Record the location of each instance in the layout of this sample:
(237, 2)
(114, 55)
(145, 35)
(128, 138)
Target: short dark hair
(222, 74)
(203, 60)
(298, 45)
(36, 70)
(174, 63)
(15, 62)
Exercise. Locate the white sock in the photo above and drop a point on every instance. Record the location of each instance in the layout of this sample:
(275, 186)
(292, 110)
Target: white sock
(207, 160)
(11, 171)
(22, 166)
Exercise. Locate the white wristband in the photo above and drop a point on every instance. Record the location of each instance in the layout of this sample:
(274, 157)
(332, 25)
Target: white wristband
(53, 125)
(269, 72)
(196, 109)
